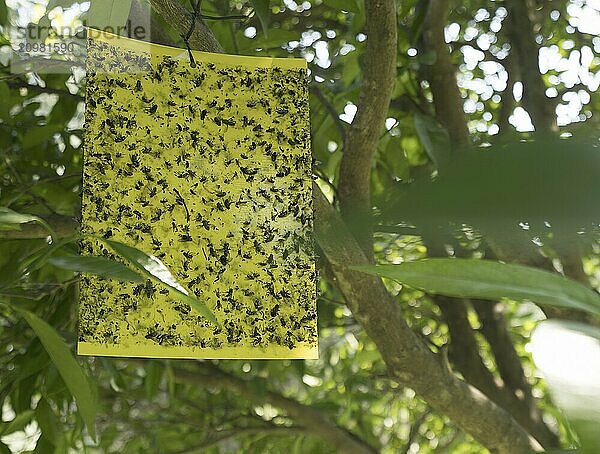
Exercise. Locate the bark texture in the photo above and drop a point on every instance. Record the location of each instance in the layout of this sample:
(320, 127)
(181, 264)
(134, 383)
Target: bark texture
(379, 76)
(181, 19)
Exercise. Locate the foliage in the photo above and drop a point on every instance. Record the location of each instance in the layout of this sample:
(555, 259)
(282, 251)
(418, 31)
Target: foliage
(476, 278)
(154, 406)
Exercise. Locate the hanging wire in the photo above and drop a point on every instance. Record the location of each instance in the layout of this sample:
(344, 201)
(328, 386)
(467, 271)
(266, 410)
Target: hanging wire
(186, 38)
(196, 13)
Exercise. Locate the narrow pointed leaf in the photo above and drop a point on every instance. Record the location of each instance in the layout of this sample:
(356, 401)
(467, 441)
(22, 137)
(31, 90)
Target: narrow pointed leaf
(154, 269)
(100, 266)
(486, 279)
(9, 217)
(68, 368)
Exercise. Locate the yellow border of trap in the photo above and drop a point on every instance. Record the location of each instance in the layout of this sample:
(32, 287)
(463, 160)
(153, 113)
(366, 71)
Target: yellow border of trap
(303, 351)
(205, 57)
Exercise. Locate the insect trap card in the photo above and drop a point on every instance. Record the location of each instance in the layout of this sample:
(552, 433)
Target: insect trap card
(208, 170)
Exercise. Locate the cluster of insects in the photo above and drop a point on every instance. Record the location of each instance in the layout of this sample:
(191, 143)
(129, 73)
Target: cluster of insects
(208, 169)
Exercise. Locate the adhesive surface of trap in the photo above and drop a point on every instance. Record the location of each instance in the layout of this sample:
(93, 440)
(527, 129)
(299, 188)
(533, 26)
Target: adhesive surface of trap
(207, 168)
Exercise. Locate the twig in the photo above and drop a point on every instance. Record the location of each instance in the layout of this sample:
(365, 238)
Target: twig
(329, 107)
(414, 430)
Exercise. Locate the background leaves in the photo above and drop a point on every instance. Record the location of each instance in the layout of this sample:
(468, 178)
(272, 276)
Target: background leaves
(571, 365)
(70, 371)
(434, 137)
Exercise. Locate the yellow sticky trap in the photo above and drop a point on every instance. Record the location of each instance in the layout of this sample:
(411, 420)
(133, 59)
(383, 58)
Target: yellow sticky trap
(207, 168)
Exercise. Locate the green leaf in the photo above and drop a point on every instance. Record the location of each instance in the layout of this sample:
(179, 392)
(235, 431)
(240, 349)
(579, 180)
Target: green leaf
(568, 356)
(37, 136)
(4, 91)
(48, 421)
(63, 3)
(69, 369)
(393, 156)
(3, 12)
(352, 6)
(100, 266)
(9, 226)
(43, 446)
(9, 217)
(32, 363)
(434, 137)
(20, 398)
(263, 11)
(154, 269)
(154, 372)
(39, 257)
(485, 279)
(561, 451)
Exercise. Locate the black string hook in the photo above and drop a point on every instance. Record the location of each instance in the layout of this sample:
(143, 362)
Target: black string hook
(196, 6)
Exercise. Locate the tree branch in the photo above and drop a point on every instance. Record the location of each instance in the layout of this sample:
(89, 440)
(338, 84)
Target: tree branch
(225, 435)
(181, 19)
(449, 111)
(493, 327)
(414, 431)
(407, 358)
(464, 353)
(141, 13)
(363, 136)
(540, 108)
(520, 30)
(464, 350)
(508, 101)
(442, 76)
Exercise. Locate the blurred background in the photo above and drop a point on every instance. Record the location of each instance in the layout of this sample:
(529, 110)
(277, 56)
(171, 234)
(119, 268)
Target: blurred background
(476, 74)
